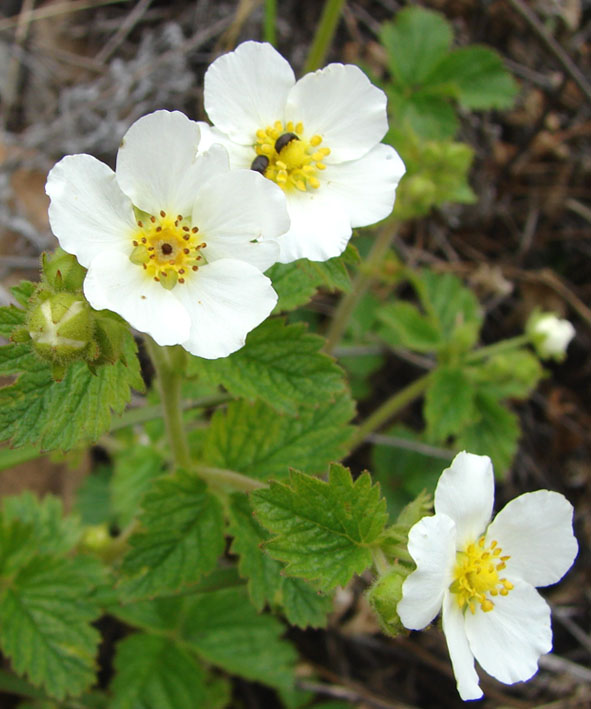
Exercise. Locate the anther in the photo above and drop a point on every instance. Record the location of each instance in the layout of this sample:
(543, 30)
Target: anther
(179, 217)
(195, 229)
(153, 219)
(186, 228)
(162, 213)
(158, 228)
(186, 251)
(140, 223)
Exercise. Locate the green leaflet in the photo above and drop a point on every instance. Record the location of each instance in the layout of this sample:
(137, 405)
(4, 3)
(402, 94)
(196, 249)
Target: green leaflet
(324, 530)
(301, 603)
(60, 415)
(222, 628)
(449, 403)
(155, 673)
(255, 440)
(182, 537)
(280, 364)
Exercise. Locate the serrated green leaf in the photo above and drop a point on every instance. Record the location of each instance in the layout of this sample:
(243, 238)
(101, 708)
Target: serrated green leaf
(302, 605)
(45, 623)
(281, 364)
(416, 41)
(297, 282)
(10, 317)
(15, 359)
(406, 326)
(431, 116)
(134, 470)
(59, 415)
(509, 375)
(182, 537)
(324, 530)
(494, 432)
(93, 498)
(23, 291)
(155, 673)
(479, 76)
(54, 533)
(449, 403)
(255, 440)
(224, 629)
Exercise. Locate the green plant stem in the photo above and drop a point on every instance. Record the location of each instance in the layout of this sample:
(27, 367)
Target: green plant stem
(169, 365)
(361, 283)
(380, 561)
(498, 348)
(220, 477)
(269, 31)
(327, 25)
(389, 408)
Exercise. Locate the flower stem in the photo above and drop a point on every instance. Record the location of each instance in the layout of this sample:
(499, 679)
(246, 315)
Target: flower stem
(380, 561)
(169, 363)
(220, 477)
(269, 31)
(498, 348)
(389, 408)
(327, 25)
(360, 285)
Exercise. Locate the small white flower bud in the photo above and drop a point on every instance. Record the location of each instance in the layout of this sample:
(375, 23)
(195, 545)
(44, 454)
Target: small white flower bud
(550, 335)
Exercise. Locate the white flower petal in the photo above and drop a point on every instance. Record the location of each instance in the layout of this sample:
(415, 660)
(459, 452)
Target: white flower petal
(241, 156)
(88, 212)
(226, 299)
(340, 104)
(366, 187)
(460, 654)
(114, 283)
(536, 531)
(262, 254)
(240, 206)
(246, 90)
(465, 492)
(157, 164)
(508, 641)
(320, 228)
(431, 543)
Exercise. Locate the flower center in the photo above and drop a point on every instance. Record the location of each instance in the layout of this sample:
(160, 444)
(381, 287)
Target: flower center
(477, 574)
(168, 248)
(287, 158)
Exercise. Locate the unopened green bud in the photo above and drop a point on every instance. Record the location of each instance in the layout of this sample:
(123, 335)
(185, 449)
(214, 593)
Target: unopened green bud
(384, 597)
(96, 538)
(62, 271)
(61, 327)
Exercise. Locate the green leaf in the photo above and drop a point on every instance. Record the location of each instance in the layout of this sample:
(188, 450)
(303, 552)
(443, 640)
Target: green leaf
(406, 326)
(431, 116)
(135, 469)
(509, 375)
(324, 530)
(155, 673)
(449, 403)
(93, 497)
(10, 317)
(60, 415)
(54, 533)
(303, 605)
(297, 282)
(182, 537)
(416, 41)
(45, 622)
(494, 432)
(456, 308)
(281, 364)
(23, 291)
(222, 628)
(255, 440)
(479, 77)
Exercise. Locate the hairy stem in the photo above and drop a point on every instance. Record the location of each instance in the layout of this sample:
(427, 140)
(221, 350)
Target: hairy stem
(389, 408)
(169, 363)
(220, 477)
(498, 348)
(361, 283)
(327, 25)
(269, 31)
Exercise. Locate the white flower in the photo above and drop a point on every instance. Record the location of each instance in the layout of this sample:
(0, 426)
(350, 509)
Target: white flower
(169, 237)
(551, 335)
(483, 578)
(318, 138)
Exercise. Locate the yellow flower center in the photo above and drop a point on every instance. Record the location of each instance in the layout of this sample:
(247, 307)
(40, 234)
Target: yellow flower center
(168, 248)
(477, 574)
(287, 158)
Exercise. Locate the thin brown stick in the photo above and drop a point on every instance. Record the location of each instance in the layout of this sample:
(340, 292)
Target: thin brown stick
(64, 8)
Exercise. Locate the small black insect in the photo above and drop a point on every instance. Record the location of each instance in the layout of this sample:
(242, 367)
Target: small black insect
(284, 140)
(260, 164)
